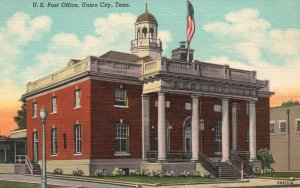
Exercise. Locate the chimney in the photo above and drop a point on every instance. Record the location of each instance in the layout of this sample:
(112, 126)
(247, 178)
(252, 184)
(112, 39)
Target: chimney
(180, 53)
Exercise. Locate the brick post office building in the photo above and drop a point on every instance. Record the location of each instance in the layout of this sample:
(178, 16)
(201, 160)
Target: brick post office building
(143, 110)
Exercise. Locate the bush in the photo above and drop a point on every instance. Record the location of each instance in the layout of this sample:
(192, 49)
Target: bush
(78, 172)
(184, 173)
(196, 173)
(101, 172)
(135, 172)
(118, 172)
(146, 173)
(207, 174)
(157, 173)
(168, 173)
(266, 157)
(58, 171)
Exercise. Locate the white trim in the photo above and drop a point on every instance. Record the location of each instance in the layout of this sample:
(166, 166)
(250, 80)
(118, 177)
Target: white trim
(121, 154)
(118, 106)
(55, 89)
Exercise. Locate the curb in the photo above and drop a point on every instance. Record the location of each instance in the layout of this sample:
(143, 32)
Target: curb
(135, 184)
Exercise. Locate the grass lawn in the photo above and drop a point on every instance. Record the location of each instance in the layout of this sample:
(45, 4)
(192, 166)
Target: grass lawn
(282, 175)
(10, 184)
(162, 180)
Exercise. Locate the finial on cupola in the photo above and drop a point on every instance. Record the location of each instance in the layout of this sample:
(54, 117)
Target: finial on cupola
(146, 8)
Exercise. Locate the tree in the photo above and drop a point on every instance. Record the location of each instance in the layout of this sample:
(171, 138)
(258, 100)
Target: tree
(266, 157)
(21, 118)
(290, 102)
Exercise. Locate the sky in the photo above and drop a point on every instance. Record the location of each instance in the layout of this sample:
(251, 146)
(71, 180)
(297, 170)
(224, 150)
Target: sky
(249, 34)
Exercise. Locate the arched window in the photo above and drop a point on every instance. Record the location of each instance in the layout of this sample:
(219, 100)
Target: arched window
(145, 31)
(151, 31)
(188, 134)
(138, 33)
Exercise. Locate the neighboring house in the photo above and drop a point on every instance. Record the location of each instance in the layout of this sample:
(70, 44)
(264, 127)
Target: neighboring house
(13, 152)
(285, 137)
(142, 110)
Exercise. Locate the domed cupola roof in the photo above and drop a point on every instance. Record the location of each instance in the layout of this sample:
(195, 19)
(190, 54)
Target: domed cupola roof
(146, 17)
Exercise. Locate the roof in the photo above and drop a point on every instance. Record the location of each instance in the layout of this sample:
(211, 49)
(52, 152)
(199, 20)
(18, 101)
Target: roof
(120, 56)
(146, 17)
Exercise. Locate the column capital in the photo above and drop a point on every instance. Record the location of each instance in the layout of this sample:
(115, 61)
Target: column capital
(252, 101)
(234, 104)
(161, 93)
(195, 96)
(225, 99)
(145, 96)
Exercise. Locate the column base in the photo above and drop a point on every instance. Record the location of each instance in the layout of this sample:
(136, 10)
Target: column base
(224, 160)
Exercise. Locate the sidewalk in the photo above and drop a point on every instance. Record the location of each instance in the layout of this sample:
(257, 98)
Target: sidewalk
(256, 182)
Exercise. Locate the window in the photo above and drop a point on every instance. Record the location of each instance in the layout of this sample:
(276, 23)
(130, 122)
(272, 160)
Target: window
(77, 139)
(34, 109)
(54, 141)
(282, 127)
(272, 128)
(298, 126)
(65, 141)
(77, 98)
(120, 97)
(121, 138)
(53, 105)
(218, 137)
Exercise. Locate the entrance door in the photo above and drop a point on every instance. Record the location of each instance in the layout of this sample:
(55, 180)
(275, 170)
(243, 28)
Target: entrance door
(35, 139)
(188, 134)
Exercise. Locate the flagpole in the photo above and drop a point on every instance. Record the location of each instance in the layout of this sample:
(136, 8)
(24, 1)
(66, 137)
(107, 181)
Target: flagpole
(187, 41)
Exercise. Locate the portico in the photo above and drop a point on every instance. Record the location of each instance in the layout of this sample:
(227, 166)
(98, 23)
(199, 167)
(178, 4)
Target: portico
(195, 81)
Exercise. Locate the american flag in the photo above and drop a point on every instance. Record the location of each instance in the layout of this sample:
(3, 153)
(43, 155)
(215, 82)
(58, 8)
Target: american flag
(190, 27)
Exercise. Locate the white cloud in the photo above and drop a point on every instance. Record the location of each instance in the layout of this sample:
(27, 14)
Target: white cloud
(19, 31)
(273, 52)
(25, 29)
(113, 32)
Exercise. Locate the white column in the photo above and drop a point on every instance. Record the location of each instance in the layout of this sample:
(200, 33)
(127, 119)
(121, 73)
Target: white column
(234, 126)
(145, 125)
(161, 127)
(195, 128)
(225, 130)
(252, 130)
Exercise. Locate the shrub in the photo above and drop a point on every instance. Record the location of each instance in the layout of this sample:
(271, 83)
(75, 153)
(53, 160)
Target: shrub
(207, 174)
(101, 172)
(196, 173)
(168, 173)
(184, 173)
(78, 172)
(266, 157)
(146, 173)
(58, 171)
(118, 172)
(135, 172)
(157, 173)
(257, 171)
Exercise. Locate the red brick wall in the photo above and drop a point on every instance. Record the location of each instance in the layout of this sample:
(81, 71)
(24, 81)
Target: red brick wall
(64, 120)
(263, 122)
(105, 116)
